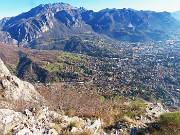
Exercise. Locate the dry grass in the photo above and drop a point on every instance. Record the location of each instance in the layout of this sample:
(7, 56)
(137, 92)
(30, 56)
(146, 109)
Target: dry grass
(82, 103)
(84, 132)
(169, 124)
(19, 105)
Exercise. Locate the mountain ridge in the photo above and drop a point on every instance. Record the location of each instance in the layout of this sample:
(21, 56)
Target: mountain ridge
(61, 20)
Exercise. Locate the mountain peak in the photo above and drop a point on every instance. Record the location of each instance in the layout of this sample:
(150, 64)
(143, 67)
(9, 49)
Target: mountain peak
(46, 8)
(57, 6)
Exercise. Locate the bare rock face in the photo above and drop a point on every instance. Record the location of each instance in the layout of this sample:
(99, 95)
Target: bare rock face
(41, 121)
(5, 37)
(9, 119)
(155, 110)
(3, 69)
(14, 88)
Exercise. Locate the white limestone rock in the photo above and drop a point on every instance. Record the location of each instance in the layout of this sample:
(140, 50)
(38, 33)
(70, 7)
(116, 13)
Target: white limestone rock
(14, 88)
(95, 126)
(41, 123)
(9, 119)
(24, 131)
(53, 132)
(3, 69)
(155, 110)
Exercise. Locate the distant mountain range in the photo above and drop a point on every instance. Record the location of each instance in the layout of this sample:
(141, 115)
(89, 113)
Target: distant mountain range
(61, 26)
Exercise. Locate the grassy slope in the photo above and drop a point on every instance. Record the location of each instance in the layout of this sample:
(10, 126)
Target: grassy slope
(169, 124)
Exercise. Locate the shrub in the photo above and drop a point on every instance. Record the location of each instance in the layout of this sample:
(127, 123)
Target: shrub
(84, 132)
(57, 121)
(70, 112)
(169, 124)
(73, 124)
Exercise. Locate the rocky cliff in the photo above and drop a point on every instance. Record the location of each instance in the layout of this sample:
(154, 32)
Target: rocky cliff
(12, 88)
(50, 20)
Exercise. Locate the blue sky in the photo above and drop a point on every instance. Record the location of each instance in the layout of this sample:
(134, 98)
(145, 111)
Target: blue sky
(14, 7)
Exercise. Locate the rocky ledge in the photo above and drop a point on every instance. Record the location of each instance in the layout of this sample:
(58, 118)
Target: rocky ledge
(41, 121)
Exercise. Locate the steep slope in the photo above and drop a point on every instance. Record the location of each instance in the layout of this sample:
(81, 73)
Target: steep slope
(12, 88)
(53, 20)
(36, 121)
(132, 25)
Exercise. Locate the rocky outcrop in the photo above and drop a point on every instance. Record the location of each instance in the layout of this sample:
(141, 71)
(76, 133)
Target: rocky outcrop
(9, 119)
(3, 69)
(26, 31)
(37, 121)
(15, 89)
(41, 121)
(155, 110)
(142, 123)
(5, 37)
